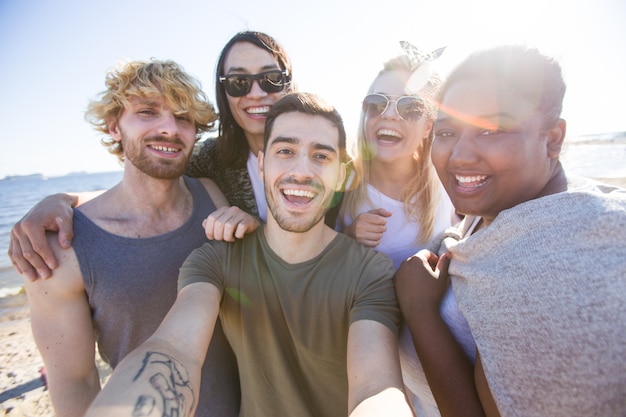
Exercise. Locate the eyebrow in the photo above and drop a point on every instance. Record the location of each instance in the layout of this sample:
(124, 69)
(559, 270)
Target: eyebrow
(295, 141)
(147, 101)
(480, 121)
(246, 70)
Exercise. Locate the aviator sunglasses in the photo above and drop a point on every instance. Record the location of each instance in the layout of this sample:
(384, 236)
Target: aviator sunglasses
(238, 85)
(407, 107)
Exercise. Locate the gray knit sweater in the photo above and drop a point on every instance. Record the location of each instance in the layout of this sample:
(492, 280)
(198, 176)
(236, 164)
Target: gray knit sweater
(543, 289)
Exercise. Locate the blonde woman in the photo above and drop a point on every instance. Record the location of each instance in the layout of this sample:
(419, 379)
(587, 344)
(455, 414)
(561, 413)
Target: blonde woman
(395, 202)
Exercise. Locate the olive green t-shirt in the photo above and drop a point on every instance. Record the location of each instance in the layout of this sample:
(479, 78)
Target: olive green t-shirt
(288, 323)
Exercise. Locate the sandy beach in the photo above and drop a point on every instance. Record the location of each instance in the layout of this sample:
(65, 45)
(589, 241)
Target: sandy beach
(22, 392)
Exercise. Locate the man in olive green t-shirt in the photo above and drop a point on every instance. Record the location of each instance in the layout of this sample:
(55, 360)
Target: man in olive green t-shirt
(310, 314)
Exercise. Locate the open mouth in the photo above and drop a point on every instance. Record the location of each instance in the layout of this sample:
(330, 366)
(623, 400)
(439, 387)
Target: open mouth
(388, 136)
(298, 196)
(165, 149)
(258, 111)
(471, 181)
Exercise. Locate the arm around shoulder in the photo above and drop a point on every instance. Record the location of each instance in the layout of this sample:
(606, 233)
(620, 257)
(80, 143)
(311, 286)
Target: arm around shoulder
(28, 248)
(226, 222)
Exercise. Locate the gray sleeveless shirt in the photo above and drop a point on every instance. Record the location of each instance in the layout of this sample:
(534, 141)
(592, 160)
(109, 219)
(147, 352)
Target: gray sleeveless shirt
(131, 285)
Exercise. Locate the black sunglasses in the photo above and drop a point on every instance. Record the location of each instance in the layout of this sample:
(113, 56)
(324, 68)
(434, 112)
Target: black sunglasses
(238, 85)
(407, 107)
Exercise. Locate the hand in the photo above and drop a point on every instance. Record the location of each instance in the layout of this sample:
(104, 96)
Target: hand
(368, 227)
(229, 223)
(421, 282)
(28, 246)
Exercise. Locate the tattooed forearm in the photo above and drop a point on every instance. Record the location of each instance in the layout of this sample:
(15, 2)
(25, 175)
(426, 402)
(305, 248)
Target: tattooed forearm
(173, 390)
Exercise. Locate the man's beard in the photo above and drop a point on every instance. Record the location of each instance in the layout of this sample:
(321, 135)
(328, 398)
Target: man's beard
(296, 223)
(164, 169)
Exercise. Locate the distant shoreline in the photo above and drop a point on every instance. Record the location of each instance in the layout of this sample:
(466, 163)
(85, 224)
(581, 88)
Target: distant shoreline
(579, 141)
(612, 138)
(40, 176)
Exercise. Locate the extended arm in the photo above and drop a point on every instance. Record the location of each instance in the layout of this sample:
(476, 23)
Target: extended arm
(28, 247)
(374, 378)
(162, 376)
(420, 287)
(63, 331)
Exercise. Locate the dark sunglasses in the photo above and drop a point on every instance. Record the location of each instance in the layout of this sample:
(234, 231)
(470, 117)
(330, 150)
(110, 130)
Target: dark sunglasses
(238, 85)
(407, 107)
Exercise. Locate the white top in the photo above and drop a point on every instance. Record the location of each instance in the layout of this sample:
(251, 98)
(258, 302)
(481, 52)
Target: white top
(400, 240)
(417, 388)
(257, 186)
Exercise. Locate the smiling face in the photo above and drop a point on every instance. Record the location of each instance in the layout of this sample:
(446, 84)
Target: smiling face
(491, 148)
(301, 170)
(391, 138)
(156, 141)
(250, 110)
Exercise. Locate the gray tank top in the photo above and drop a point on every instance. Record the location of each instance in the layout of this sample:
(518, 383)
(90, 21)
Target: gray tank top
(131, 285)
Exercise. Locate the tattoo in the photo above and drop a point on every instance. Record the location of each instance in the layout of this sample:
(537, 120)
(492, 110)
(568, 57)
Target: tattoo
(171, 381)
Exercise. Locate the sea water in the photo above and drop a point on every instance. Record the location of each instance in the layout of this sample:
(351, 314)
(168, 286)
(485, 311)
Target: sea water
(20, 194)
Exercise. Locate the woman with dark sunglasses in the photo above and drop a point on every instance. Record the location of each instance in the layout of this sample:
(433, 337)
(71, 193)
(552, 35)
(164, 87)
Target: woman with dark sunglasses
(253, 72)
(395, 202)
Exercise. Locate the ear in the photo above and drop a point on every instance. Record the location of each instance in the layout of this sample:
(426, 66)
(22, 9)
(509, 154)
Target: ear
(428, 126)
(556, 136)
(260, 157)
(114, 130)
(342, 177)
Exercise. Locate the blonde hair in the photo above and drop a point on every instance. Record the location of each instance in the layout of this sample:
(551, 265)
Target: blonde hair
(421, 196)
(182, 93)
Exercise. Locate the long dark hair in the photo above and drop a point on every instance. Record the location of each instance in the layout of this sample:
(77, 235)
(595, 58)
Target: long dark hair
(232, 146)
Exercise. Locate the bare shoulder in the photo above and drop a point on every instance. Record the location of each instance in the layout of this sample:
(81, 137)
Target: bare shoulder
(66, 281)
(214, 192)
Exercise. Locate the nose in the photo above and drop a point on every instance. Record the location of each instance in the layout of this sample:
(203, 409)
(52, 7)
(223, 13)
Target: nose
(391, 112)
(256, 90)
(168, 124)
(302, 169)
(463, 150)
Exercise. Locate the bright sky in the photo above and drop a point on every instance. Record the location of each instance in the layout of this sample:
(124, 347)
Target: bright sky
(54, 56)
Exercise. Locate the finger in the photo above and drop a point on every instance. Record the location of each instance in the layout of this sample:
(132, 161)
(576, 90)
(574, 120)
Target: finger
(66, 232)
(380, 212)
(373, 219)
(14, 253)
(229, 227)
(26, 259)
(208, 224)
(217, 223)
(34, 247)
(248, 225)
(428, 258)
(240, 232)
(443, 265)
(371, 243)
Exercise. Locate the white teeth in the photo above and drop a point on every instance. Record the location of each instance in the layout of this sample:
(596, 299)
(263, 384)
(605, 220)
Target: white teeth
(164, 149)
(388, 132)
(258, 110)
(298, 193)
(472, 179)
